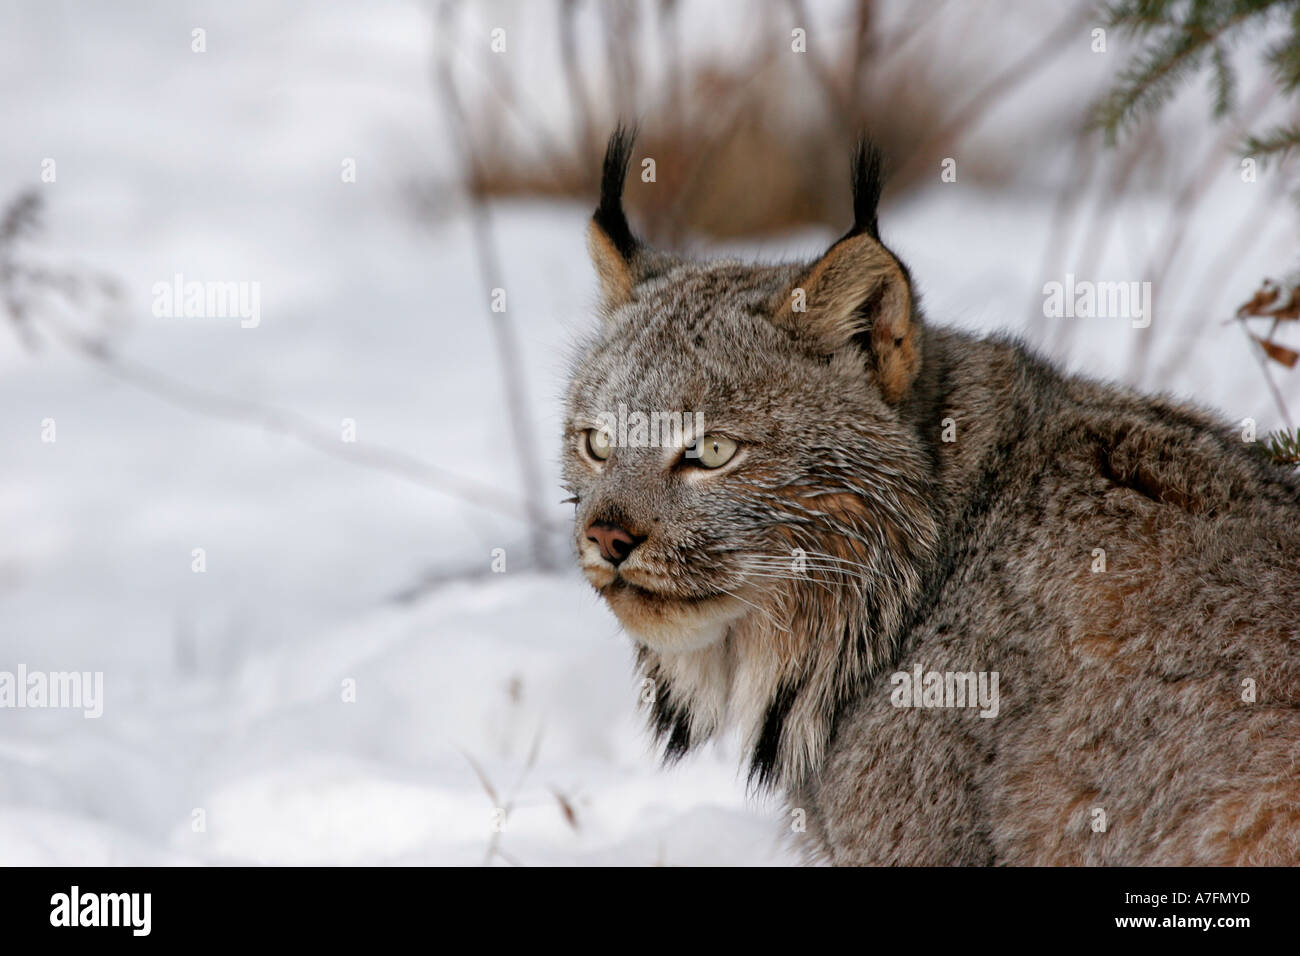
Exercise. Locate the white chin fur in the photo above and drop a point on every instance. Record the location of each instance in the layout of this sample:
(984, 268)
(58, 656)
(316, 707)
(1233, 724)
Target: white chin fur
(678, 638)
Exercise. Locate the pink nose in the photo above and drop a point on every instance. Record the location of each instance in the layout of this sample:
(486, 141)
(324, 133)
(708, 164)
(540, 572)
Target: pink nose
(615, 543)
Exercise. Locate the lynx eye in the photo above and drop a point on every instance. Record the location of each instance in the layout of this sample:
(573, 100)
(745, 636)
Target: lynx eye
(714, 451)
(598, 443)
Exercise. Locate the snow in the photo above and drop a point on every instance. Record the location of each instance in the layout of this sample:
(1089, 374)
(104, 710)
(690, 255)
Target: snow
(286, 697)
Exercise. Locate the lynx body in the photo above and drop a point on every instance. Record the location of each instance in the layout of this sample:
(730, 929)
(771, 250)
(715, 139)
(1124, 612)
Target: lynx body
(875, 497)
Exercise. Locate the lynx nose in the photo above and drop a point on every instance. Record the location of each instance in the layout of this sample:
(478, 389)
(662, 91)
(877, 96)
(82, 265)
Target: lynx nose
(615, 542)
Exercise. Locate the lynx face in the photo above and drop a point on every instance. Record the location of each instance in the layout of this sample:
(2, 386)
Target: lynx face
(763, 553)
(684, 534)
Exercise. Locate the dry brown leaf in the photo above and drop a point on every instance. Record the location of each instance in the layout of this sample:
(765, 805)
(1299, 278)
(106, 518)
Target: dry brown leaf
(566, 808)
(1259, 303)
(1278, 353)
(1291, 311)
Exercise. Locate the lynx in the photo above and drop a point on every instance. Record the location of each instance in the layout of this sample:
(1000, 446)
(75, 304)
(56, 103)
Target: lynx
(876, 502)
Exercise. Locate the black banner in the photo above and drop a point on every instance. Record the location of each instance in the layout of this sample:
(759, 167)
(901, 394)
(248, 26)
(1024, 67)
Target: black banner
(337, 905)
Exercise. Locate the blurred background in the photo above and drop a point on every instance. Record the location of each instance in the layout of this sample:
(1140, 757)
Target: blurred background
(321, 561)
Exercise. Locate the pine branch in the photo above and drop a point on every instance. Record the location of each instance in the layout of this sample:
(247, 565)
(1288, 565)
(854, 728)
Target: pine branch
(1148, 83)
(1185, 33)
(1181, 38)
(1284, 57)
(1224, 83)
(1274, 145)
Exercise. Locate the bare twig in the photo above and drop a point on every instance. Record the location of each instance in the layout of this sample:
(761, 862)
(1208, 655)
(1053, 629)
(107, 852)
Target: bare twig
(1191, 194)
(482, 779)
(584, 124)
(670, 43)
(1262, 359)
(914, 26)
(1083, 161)
(508, 357)
(840, 102)
(291, 424)
(622, 24)
(508, 805)
(1239, 245)
(216, 404)
(1103, 217)
(1017, 73)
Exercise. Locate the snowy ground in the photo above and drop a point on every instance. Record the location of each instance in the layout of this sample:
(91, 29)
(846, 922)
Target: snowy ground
(224, 691)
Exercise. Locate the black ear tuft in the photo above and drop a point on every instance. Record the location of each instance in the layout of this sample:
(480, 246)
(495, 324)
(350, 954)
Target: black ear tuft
(609, 214)
(868, 181)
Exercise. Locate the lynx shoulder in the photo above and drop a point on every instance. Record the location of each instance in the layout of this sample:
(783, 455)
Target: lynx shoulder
(961, 607)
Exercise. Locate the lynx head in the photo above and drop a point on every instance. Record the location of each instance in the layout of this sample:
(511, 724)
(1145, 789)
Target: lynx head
(749, 496)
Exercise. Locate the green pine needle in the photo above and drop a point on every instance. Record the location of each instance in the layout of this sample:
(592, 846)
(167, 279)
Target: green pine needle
(1284, 447)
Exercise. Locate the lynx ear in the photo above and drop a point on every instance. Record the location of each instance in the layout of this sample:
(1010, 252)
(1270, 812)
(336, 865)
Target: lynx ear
(858, 293)
(609, 237)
